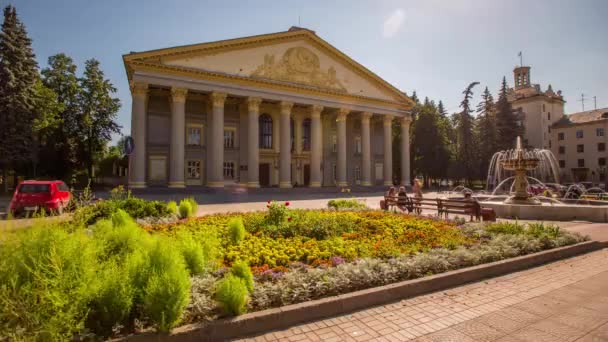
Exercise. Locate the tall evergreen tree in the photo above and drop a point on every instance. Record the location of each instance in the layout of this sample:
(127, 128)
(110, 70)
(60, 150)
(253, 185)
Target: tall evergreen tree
(507, 125)
(99, 111)
(486, 130)
(46, 109)
(466, 145)
(18, 74)
(61, 154)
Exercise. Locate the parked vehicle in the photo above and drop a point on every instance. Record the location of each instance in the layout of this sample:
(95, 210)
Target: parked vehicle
(32, 196)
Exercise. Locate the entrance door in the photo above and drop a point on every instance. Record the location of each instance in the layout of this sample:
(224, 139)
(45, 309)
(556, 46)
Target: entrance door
(307, 175)
(264, 174)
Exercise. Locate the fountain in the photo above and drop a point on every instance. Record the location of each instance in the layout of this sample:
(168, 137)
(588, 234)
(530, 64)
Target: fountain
(520, 204)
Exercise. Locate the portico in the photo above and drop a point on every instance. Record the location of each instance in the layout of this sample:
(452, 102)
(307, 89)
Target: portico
(229, 112)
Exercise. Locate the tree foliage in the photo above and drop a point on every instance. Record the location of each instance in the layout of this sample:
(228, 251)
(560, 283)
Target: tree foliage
(466, 139)
(507, 125)
(486, 130)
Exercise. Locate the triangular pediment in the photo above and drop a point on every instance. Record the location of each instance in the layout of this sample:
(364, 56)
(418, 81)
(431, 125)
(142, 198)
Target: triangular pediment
(296, 57)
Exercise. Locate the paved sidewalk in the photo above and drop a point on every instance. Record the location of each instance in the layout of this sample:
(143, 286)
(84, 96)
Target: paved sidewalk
(561, 301)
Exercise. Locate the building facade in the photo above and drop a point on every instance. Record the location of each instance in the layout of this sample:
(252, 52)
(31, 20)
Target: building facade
(538, 109)
(580, 147)
(283, 109)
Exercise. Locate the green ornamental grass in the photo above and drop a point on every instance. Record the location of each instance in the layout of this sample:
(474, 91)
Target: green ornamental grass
(172, 207)
(232, 295)
(237, 230)
(242, 270)
(185, 209)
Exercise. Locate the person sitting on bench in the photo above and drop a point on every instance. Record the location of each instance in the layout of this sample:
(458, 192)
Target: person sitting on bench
(389, 199)
(403, 202)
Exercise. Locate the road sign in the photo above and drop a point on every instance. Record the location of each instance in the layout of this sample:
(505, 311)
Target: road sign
(128, 146)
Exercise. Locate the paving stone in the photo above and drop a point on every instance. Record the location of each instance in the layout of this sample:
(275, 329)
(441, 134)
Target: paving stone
(479, 331)
(534, 335)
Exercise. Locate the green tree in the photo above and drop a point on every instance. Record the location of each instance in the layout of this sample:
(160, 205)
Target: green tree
(466, 140)
(486, 130)
(60, 155)
(507, 125)
(46, 119)
(18, 74)
(99, 111)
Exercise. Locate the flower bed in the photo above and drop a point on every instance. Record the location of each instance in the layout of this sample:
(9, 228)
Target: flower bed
(120, 277)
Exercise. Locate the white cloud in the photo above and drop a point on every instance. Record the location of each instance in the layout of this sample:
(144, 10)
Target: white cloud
(393, 23)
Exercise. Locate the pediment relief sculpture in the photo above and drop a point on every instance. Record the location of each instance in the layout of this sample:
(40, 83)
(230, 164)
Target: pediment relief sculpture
(299, 65)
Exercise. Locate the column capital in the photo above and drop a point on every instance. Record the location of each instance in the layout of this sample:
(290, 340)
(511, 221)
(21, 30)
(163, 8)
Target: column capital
(285, 107)
(406, 120)
(179, 94)
(315, 111)
(138, 88)
(253, 104)
(217, 98)
(387, 119)
(342, 113)
(366, 116)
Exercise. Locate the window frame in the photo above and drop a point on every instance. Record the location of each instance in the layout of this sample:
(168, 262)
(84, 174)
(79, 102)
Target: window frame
(306, 134)
(358, 145)
(229, 166)
(233, 130)
(201, 136)
(581, 165)
(603, 147)
(599, 132)
(561, 150)
(200, 169)
(581, 135)
(580, 148)
(265, 132)
(562, 164)
(561, 136)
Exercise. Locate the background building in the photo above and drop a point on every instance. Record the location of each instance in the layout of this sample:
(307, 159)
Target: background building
(580, 145)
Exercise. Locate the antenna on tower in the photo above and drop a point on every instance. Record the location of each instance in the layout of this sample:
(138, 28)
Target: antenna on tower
(521, 59)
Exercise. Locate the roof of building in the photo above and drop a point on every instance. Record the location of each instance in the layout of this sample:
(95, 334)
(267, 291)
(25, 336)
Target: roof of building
(583, 117)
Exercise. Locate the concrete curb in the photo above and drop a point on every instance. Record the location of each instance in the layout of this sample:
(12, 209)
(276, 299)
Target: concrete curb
(286, 316)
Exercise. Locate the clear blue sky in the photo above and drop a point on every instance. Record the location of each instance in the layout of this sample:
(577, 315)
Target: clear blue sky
(433, 47)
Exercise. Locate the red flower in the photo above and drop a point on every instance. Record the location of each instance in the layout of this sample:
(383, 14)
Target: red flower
(287, 204)
(268, 202)
(267, 205)
(289, 219)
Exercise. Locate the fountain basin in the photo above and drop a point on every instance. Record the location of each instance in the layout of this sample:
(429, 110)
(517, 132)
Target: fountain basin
(593, 212)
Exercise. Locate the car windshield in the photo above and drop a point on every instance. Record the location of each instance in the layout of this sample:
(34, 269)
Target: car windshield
(34, 188)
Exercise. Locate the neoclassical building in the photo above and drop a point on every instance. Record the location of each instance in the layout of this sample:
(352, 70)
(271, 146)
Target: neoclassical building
(280, 109)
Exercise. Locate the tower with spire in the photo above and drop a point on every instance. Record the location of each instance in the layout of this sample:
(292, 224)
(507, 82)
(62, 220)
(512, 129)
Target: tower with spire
(537, 109)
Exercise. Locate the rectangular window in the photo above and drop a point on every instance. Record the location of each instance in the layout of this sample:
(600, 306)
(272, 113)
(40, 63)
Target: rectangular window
(562, 149)
(357, 172)
(579, 134)
(549, 143)
(549, 116)
(580, 148)
(228, 170)
(599, 132)
(194, 135)
(334, 171)
(229, 138)
(581, 163)
(562, 164)
(358, 145)
(561, 136)
(601, 161)
(334, 143)
(193, 169)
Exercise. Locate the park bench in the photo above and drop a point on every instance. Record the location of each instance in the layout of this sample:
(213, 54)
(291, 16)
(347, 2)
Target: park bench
(424, 203)
(457, 206)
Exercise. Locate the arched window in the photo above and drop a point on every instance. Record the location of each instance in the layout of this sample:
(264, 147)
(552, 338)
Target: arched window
(265, 122)
(306, 135)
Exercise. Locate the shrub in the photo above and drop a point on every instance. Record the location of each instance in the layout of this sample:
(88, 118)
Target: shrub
(185, 209)
(242, 270)
(192, 253)
(114, 299)
(232, 295)
(47, 279)
(172, 207)
(165, 285)
(193, 204)
(505, 228)
(345, 204)
(236, 230)
(137, 208)
(277, 213)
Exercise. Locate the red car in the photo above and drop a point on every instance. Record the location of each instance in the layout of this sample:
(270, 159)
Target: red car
(31, 196)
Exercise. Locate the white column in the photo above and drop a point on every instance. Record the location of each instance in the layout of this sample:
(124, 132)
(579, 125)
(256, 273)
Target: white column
(297, 126)
(316, 146)
(139, 92)
(341, 123)
(388, 150)
(216, 143)
(178, 128)
(366, 149)
(405, 150)
(253, 153)
(285, 142)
